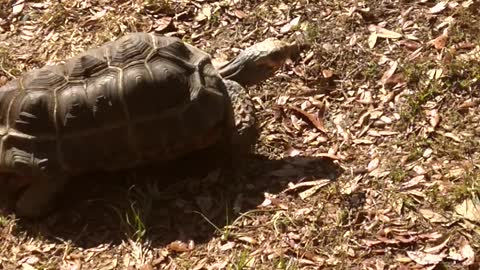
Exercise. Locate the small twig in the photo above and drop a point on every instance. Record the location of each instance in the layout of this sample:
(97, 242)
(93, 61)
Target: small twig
(6, 71)
(249, 35)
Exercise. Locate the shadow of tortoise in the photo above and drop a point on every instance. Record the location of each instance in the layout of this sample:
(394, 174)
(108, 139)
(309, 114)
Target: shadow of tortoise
(183, 200)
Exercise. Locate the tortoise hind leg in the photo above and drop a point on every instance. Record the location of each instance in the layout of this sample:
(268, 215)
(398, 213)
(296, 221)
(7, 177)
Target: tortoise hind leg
(39, 197)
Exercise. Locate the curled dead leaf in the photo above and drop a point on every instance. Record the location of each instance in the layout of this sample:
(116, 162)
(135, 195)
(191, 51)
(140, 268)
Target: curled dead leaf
(438, 248)
(439, 7)
(316, 121)
(26, 266)
(389, 72)
(411, 45)
(467, 252)
(327, 73)
(309, 192)
(373, 164)
(427, 153)
(239, 13)
(423, 258)
(18, 7)
(248, 239)
(415, 181)
(227, 246)
(439, 42)
(372, 40)
(320, 183)
(397, 78)
(163, 24)
(179, 246)
(469, 209)
(3, 80)
(432, 216)
(205, 13)
(466, 104)
(384, 33)
(288, 26)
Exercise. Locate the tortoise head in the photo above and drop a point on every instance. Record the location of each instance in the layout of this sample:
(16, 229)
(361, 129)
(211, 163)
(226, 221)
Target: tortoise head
(259, 62)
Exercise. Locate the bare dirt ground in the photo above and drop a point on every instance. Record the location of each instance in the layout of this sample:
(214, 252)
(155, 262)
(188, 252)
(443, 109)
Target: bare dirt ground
(368, 156)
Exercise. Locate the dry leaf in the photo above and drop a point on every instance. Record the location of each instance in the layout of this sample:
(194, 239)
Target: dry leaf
(387, 133)
(415, 181)
(26, 266)
(282, 100)
(423, 258)
(373, 164)
(411, 45)
(455, 172)
(372, 40)
(434, 118)
(227, 246)
(18, 7)
(384, 33)
(248, 239)
(397, 78)
(314, 120)
(419, 170)
(366, 98)
(239, 13)
(389, 72)
(327, 73)
(466, 104)
(288, 26)
(439, 7)
(204, 13)
(163, 24)
(292, 152)
(438, 248)
(439, 42)
(451, 136)
(427, 153)
(321, 183)
(402, 259)
(469, 209)
(467, 252)
(432, 216)
(309, 192)
(3, 80)
(435, 74)
(179, 246)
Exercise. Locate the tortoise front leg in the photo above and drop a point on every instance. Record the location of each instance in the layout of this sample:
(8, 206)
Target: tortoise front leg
(38, 198)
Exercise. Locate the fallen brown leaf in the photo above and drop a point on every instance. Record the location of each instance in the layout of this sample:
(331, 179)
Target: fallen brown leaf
(384, 33)
(239, 13)
(288, 26)
(440, 42)
(321, 183)
(469, 209)
(423, 258)
(438, 248)
(179, 246)
(439, 7)
(314, 120)
(467, 252)
(372, 40)
(18, 7)
(389, 72)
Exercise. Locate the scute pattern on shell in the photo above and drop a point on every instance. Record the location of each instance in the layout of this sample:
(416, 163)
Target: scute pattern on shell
(135, 99)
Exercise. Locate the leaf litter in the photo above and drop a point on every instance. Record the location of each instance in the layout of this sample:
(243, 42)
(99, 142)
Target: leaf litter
(389, 94)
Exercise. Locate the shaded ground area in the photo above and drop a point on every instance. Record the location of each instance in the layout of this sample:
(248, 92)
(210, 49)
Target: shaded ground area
(368, 155)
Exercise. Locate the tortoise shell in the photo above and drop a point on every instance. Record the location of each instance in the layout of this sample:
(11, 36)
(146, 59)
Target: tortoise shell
(139, 98)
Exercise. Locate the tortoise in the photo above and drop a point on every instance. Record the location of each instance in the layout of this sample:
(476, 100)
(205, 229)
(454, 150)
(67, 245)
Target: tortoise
(139, 99)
